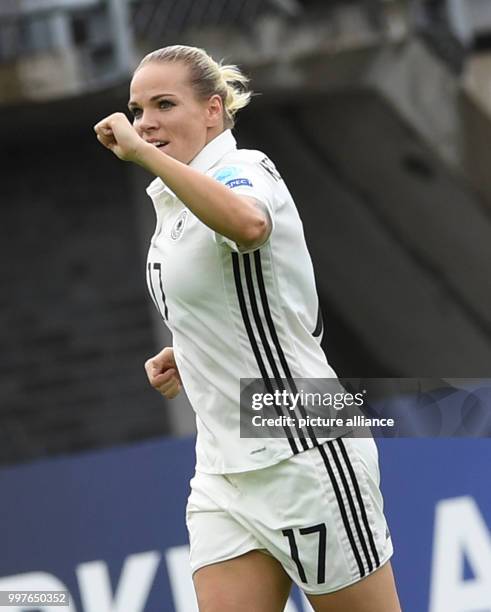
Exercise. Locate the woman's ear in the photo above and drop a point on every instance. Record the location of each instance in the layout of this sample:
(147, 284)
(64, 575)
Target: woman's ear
(215, 111)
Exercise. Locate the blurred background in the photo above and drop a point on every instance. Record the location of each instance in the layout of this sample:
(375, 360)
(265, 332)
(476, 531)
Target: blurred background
(378, 115)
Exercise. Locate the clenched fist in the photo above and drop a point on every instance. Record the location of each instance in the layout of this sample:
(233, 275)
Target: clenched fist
(163, 374)
(117, 134)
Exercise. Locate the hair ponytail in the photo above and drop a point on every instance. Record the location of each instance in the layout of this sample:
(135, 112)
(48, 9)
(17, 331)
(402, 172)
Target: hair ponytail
(237, 96)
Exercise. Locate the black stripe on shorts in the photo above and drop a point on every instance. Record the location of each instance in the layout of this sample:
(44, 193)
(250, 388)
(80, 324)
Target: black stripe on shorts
(344, 467)
(351, 503)
(342, 510)
(344, 452)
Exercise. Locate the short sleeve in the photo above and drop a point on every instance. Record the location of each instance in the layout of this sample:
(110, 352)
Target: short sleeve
(247, 179)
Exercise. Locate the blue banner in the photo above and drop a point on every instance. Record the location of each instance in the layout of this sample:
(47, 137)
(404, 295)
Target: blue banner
(109, 526)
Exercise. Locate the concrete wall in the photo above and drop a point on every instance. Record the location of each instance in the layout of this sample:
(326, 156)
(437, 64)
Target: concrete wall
(76, 325)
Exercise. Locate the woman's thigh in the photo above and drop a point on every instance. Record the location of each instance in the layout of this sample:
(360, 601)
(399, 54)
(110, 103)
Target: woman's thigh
(376, 593)
(253, 582)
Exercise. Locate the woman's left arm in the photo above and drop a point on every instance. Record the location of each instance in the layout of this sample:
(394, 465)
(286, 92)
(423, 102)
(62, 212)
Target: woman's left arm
(240, 218)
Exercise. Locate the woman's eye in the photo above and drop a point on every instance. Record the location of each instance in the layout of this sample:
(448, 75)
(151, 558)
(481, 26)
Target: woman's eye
(136, 112)
(166, 104)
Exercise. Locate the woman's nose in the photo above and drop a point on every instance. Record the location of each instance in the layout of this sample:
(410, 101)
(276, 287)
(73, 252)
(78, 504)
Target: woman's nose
(148, 121)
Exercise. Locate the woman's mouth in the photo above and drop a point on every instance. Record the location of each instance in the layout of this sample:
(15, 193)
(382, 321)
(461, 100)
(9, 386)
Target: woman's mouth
(159, 143)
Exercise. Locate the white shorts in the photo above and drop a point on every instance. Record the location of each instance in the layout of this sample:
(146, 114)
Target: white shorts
(319, 513)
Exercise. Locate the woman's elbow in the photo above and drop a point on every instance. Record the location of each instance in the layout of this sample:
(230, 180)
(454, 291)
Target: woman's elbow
(255, 234)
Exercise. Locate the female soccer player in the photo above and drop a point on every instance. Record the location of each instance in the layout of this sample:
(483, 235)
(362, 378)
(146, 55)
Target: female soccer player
(229, 270)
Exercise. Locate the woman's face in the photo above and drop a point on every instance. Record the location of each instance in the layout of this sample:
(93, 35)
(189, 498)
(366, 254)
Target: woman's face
(167, 113)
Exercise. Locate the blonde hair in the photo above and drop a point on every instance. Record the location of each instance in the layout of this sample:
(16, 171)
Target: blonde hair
(208, 77)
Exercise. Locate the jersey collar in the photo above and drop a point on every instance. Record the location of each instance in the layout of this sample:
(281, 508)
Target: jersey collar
(206, 158)
(214, 151)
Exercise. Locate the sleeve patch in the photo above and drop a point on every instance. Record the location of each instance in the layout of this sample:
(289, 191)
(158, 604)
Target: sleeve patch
(226, 174)
(238, 182)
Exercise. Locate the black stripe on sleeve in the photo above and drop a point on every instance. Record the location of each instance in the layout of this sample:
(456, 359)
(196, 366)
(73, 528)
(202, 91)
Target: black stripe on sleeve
(253, 343)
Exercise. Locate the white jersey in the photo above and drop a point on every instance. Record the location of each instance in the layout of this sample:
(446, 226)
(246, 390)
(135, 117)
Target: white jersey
(235, 314)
